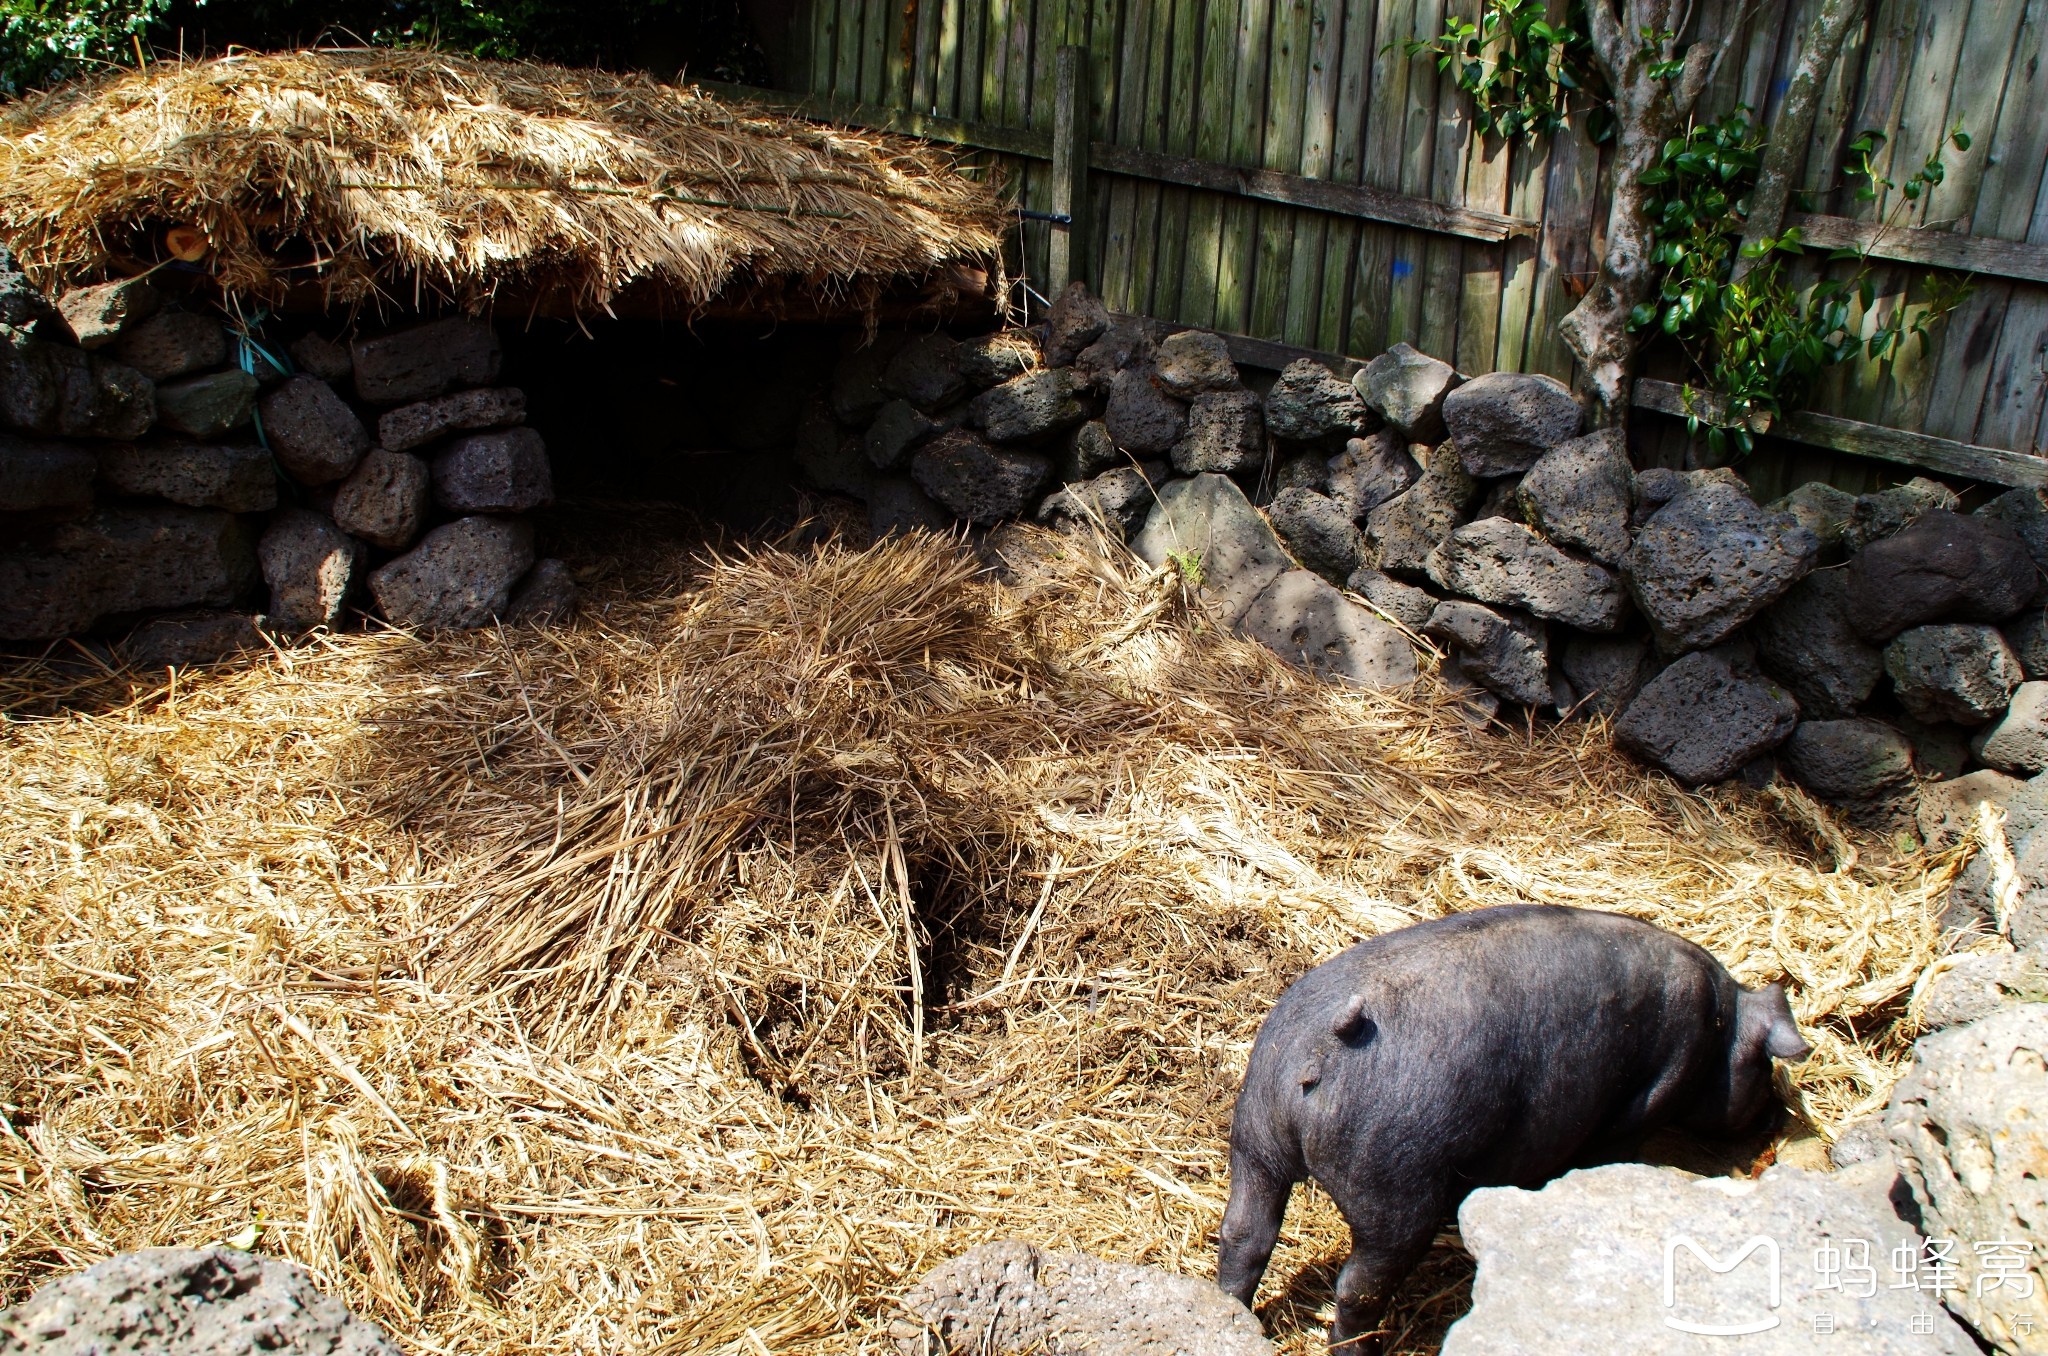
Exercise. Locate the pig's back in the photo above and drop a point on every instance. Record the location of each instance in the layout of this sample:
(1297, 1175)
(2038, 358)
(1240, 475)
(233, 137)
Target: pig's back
(1501, 1040)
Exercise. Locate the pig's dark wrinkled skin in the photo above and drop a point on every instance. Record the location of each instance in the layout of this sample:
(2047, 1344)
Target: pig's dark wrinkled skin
(1490, 1048)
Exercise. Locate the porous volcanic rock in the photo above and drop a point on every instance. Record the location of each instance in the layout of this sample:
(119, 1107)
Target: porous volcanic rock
(1504, 652)
(1223, 547)
(1226, 433)
(1701, 720)
(976, 480)
(1578, 494)
(316, 436)
(1506, 563)
(1313, 626)
(1942, 567)
(310, 565)
(1503, 421)
(1710, 560)
(460, 575)
(1407, 388)
(1958, 672)
(1309, 401)
(425, 360)
(238, 477)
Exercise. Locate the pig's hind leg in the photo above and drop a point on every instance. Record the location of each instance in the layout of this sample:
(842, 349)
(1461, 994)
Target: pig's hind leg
(1386, 1243)
(1251, 1225)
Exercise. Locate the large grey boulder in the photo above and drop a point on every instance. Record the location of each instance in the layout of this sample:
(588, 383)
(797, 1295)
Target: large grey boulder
(1701, 720)
(1850, 760)
(2017, 742)
(1969, 1139)
(188, 1302)
(1578, 494)
(1873, 517)
(1118, 499)
(1943, 567)
(1370, 471)
(1502, 422)
(316, 436)
(1506, 563)
(37, 476)
(1606, 672)
(1710, 560)
(172, 344)
(1123, 345)
(238, 477)
(2027, 634)
(1805, 641)
(100, 314)
(1075, 320)
(1504, 652)
(1140, 416)
(1313, 626)
(1405, 603)
(899, 428)
(1086, 452)
(976, 480)
(22, 305)
(505, 471)
(1014, 1297)
(426, 421)
(310, 565)
(856, 390)
(460, 575)
(1821, 509)
(925, 372)
(1407, 388)
(209, 405)
(1949, 810)
(1976, 986)
(896, 506)
(1318, 531)
(547, 595)
(179, 639)
(1031, 406)
(2025, 511)
(1634, 1258)
(1222, 546)
(425, 360)
(143, 559)
(1656, 486)
(1225, 433)
(384, 501)
(321, 357)
(1960, 672)
(59, 391)
(1404, 532)
(1309, 401)
(1194, 361)
(995, 358)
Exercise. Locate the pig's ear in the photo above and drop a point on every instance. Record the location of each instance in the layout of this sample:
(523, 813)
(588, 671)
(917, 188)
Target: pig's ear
(1352, 1023)
(1781, 1036)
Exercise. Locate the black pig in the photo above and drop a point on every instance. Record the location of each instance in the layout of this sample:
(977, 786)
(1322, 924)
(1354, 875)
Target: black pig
(1489, 1048)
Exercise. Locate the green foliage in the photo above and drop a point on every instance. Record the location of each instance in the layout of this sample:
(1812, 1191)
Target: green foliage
(43, 41)
(1189, 563)
(1760, 343)
(1519, 68)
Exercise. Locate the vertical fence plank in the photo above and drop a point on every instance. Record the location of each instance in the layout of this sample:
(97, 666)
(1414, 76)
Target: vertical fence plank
(1298, 325)
(1405, 280)
(1218, 19)
(1382, 169)
(2014, 151)
(1069, 251)
(1347, 165)
(1177, 130)
(1237, 242)
(1120, 217)
(1444, 258)
(1288, 87)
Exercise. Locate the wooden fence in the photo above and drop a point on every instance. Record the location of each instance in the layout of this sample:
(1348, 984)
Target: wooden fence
(1281, 169)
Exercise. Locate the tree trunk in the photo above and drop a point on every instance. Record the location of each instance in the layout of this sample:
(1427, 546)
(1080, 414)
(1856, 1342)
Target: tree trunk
(1793, 130)
(1648, 111)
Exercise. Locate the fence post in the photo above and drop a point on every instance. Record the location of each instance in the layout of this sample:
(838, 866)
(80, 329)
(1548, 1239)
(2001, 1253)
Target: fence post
(1070, 252)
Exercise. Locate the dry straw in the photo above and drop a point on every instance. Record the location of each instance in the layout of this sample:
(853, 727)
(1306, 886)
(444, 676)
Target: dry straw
(356, 171)
(692, 977)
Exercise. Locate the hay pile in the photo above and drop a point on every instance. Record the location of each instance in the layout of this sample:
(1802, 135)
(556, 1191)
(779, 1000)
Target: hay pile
(692, 978)
(365, 171)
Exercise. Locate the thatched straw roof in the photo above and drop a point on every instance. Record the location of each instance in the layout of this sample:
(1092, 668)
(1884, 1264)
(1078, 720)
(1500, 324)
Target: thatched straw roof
(367, 171)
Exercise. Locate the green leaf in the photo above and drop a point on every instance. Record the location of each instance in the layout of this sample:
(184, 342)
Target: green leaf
(1961, 139)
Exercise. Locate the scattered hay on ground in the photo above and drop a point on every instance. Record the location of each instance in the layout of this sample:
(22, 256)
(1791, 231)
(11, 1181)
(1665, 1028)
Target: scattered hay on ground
(692, 977)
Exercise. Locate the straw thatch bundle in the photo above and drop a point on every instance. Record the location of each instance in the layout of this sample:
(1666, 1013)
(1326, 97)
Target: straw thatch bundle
(361, 170)
(693, 977)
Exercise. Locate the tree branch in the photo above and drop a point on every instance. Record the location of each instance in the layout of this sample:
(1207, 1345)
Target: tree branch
(1793, 131)
(1608, 45)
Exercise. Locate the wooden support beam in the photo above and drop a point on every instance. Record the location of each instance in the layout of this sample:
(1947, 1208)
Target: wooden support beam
(1940, 249)
(1991, 465)
(1069, 253)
